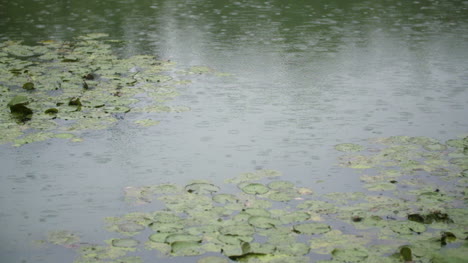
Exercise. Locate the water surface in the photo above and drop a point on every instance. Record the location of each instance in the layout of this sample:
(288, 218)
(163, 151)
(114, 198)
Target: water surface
(306, 75)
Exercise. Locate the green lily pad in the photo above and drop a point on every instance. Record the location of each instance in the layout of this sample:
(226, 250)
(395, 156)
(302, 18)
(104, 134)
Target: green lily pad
(407, 227)
(254, 189)
(254, 176)
(277, 185)
(17, 100)
(213, 259)
(350, 255)
(311, 228)
(28, 86)
(51, 111)
(124, 242)
(92, 253)
(457, 143)
(295, 216)
(186, 248)
(130, 227)
(294, 249)
(159, 237)
(435, 147)
(263, 222)
(283, 195)
(182, 238)
(166, 227)
(201, 188)
(237, 230)
(225, 199)
(406, 253)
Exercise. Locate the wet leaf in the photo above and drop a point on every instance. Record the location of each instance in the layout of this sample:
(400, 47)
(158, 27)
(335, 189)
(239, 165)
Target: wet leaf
(254, 176)
(311, 228)
(263, 222)
(51, 111)
(159, 237)
(213, 259)
(201, 188)
(124, 242)
(181, 238)
(350, 255)
(28, 86)
(406, 253)
(254, 189)
(186, 248)
(279, 185)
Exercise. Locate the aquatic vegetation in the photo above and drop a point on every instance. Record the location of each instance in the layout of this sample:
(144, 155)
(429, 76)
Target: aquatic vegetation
(80, 85)
(349, 147)
(396, 220)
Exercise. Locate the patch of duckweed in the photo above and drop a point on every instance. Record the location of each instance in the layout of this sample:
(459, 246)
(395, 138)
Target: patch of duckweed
(349, 147)
(80, 85)
(412, 210)
(62, 238)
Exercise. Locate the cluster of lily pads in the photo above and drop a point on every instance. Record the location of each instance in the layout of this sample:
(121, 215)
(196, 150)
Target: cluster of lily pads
(421, 218)
(59, 88)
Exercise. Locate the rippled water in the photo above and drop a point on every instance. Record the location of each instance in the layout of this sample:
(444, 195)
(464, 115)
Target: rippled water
(306, 75)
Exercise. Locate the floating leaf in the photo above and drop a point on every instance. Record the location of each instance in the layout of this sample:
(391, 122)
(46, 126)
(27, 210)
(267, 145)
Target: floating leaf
(350, 255)
(182, 237)
(124, 242)
(186, 248)
(28, 86)
(254, 189)
(277, 185)
(159, 237)
(294, 249)
(51, 111)
(225, 198)
(201, 188)
(213, 259)
(311, 228)
(253, 176)
(406, 253)
(263, 222)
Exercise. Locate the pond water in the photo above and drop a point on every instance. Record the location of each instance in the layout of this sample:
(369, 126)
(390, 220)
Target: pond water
(303, 77)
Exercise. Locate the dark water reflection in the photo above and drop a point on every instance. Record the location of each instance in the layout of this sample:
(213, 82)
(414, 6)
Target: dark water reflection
(306, 76)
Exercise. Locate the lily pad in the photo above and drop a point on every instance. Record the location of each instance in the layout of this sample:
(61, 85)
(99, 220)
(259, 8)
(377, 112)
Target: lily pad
(182, 238)
(350, 255)
(159, 237)
(28, 86)
(277, 185)
(263, 222)
(201, 188)
(254, 189)
(213, 259)
(225, 198)
(124, 242)
(311, 228)
(186, 248)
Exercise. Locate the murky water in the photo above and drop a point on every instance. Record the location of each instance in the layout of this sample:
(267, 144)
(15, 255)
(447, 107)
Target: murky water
(306, 75)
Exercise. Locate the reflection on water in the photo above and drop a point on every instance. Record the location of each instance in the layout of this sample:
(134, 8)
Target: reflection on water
(306, 76)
